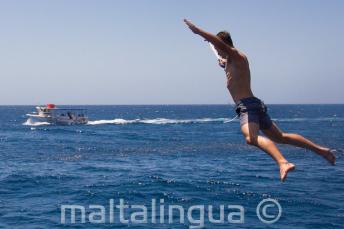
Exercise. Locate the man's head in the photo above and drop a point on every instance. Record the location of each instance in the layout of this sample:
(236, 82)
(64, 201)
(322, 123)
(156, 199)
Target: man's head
(225, 37)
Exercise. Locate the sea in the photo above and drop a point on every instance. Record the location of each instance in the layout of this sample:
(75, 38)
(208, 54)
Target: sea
(167, 166)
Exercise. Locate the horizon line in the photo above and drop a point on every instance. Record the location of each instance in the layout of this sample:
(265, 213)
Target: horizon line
(170, 104)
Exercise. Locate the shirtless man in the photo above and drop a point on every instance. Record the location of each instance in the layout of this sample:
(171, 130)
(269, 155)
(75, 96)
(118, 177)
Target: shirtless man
(251, 110)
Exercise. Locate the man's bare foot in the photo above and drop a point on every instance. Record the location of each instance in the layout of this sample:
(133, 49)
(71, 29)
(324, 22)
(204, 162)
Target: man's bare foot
(329, 156)
(285, 167)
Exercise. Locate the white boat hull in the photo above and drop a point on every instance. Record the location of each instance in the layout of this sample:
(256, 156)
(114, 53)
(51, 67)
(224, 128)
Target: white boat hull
(57, 121)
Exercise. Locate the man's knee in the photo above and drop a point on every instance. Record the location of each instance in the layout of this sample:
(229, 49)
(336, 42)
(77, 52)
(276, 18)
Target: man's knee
(251, 140)
(283, 138)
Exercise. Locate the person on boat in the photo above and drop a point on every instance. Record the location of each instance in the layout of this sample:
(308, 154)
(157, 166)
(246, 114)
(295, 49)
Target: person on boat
(70, 115)
(251, 110)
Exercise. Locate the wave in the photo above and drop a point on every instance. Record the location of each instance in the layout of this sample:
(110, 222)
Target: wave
(29, 122)
(324, 119)
(159, 121)
(163, 121)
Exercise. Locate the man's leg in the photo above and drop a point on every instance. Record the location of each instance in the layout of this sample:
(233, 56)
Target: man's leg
(251, 133)
(276, 135)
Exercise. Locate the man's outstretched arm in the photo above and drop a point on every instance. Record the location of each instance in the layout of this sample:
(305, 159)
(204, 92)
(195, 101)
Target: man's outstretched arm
(217, 42)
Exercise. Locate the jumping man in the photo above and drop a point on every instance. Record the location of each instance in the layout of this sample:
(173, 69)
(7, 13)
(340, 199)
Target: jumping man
(251, 110)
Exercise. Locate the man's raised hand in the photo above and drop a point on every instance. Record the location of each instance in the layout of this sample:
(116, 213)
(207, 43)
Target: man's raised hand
(191, 26)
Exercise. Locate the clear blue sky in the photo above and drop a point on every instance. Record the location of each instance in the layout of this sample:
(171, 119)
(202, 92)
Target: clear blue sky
(140, 52)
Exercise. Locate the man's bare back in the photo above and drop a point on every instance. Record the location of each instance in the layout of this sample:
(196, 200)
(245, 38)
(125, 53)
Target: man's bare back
(238, 76)
(251, 110)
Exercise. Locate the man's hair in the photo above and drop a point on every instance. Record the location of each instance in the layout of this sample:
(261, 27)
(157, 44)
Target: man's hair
(225, 37)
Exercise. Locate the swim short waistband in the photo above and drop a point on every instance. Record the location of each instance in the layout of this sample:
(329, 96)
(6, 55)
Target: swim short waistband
(249, 100)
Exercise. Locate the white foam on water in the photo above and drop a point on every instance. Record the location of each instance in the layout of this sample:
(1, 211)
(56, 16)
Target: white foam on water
(158, 121)
(117, 121)
(324, 119)
(29, 122)
(164, 121)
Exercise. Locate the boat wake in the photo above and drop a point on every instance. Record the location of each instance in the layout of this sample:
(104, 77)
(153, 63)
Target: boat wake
(165, 121)
(30, 122)
(159, 121)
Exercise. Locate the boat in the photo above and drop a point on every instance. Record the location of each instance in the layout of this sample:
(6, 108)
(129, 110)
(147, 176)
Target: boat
(59, 116)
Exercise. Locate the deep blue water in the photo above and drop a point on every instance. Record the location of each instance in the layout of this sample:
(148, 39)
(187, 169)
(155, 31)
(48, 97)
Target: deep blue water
(185, 155)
